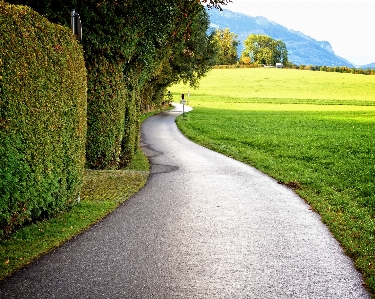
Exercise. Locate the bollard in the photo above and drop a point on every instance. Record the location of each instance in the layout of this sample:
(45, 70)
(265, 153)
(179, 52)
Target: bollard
(183, 102)
(76, 25)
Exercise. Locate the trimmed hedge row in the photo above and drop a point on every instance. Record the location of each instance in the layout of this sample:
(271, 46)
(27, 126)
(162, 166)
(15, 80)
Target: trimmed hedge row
(113, 114)
(106, 106)
(152, 45)
(43, 99)
(131, 138)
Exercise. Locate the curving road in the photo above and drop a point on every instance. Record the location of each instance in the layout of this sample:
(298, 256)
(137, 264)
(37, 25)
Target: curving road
(204, 226)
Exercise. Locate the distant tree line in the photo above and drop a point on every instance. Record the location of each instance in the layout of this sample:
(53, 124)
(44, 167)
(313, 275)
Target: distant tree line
(262, 50)
(336, 69)
(259, 49)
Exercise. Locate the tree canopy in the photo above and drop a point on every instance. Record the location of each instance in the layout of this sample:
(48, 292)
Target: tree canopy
(133, 52)
(227, 42)
(215, 3)
(262, 49)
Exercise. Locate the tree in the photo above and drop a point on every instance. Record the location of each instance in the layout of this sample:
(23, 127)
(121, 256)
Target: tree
(262, 49)
(227, 44)
(188, 61)
(215, 3)
(126, 45)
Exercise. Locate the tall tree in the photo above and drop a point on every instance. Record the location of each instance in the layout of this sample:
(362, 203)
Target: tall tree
(227, 45)
(215, 3)
(187, 61)
(262, 49)
(126, 46)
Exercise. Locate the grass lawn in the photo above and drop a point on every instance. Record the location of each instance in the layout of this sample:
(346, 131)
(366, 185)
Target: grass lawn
(312, 131)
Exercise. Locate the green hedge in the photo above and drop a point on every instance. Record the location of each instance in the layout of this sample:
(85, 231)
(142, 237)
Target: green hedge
(128, 46)
(43, 93)
(131, 139)
(106, 110)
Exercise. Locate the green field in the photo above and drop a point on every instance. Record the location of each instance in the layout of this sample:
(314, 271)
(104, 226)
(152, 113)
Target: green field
(312, 131)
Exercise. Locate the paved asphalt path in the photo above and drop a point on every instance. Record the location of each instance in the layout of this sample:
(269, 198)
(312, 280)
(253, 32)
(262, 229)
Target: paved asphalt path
(204, 226)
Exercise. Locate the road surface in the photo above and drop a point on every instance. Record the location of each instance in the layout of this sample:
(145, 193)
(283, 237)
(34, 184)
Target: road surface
(204, 226)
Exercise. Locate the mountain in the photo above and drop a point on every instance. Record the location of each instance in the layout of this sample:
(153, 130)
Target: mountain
(368, 66)
(302, 49)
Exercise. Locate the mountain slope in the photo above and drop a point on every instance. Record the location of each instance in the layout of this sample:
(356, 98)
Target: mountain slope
(302, 49)
(369, 66)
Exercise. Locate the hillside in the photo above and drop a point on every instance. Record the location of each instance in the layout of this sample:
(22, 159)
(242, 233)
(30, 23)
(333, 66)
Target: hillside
(302, 49)
(369, 66)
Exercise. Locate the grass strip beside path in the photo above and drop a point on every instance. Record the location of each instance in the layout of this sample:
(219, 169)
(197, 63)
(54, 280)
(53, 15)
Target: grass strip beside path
(103, 191)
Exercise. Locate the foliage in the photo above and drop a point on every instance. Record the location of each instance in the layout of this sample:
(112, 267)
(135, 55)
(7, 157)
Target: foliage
(42, 117)
(262, 49)
(319, 146)
(246, 63)
(227, 42)
(187, 60)
(126, 46)
(338, 69)
(198, 55)
(140, 41)
(106, 104)
(215, 3)
(102, 192)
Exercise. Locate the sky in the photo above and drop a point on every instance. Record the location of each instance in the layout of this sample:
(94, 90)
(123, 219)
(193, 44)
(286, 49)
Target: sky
(349, 26)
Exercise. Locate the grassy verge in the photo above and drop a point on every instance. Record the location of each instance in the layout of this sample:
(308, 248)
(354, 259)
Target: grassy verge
(321, 144)
(103, 191)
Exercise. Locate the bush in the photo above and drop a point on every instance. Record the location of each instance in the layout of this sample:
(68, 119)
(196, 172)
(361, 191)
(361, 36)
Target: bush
(137, 40)
(106, 110)
(42, 117)
(131, 138)
(113, 114)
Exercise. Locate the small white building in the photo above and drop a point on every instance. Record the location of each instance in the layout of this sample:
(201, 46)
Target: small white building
(279, 65)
